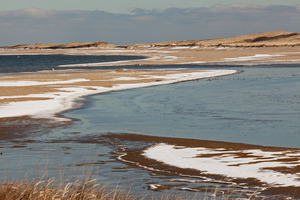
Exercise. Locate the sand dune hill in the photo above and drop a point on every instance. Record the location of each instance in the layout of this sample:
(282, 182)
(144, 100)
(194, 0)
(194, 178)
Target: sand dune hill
(267, 39)
(59, 46)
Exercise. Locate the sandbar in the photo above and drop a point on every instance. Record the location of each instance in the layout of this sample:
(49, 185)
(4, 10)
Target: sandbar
(45, 95)
(56, 91)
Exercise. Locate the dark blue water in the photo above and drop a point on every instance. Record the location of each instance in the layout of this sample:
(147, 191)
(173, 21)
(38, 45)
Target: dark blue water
(33, 63)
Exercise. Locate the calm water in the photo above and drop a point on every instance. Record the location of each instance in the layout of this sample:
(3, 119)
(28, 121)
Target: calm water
(260, 105)
(33, 63)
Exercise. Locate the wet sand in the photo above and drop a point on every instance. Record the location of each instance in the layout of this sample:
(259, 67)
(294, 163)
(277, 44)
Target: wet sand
(137, 157)
(16, 128)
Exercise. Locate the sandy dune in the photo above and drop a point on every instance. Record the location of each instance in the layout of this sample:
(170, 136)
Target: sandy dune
(266, 39)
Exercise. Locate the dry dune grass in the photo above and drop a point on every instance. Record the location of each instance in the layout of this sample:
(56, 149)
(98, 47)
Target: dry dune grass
(266, 39)
(85, 189)
(78, 190)
(60, 46)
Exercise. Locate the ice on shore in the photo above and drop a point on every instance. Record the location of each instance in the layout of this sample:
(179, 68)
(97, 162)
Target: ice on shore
(63, 100)
(227, 163)
(34, 83)
(255, 57)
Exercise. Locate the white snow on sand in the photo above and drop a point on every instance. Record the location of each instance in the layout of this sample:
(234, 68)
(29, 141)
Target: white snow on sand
(33, 83)
(64, 99)
(125, 79)
(131, 51)
(194, 62)
(58, 102)
(228, 164)
(182, 47)
(255, 57)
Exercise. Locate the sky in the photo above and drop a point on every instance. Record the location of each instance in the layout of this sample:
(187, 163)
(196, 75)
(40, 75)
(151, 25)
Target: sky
(141, 21)
(125, 6)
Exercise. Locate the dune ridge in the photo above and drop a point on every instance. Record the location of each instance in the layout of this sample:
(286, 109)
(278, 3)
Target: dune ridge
(265, 39)
(72, 45)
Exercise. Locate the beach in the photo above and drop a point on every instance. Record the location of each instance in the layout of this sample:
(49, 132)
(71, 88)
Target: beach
(46, 95)
(66, 86)
(36, 102)
(73, 84)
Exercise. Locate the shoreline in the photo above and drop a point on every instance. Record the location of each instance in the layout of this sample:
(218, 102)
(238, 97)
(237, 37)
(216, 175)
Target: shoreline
(173, 55)
(45, 98)
(78, 85)
(216, 159)
(63, 88)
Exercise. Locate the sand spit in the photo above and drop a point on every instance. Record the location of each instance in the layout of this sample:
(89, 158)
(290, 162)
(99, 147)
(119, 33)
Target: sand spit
(46, 95)
(182, 56)
(269, 170)
(270, 47)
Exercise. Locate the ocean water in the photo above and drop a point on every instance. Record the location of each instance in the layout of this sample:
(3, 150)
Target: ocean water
(33, 63)
(259, 105)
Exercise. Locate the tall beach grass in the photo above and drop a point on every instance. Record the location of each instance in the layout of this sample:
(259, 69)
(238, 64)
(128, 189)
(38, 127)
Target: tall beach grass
(85, 189)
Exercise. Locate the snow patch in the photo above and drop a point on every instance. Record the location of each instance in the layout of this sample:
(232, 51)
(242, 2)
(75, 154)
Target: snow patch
(255, 57)
(228, 164)
(61, 101)
(35, 83)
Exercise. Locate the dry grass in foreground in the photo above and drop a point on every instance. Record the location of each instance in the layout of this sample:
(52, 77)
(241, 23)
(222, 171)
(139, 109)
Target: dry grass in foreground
(78, 190)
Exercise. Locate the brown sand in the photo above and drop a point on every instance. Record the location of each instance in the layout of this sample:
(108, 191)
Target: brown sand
(99, 78)
(15, 128)
(265, 39)
(286, 44)
(135, 158)
(275, 43)
(281, 43)
(169, 55)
